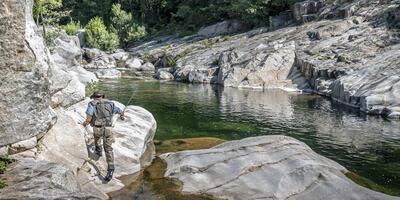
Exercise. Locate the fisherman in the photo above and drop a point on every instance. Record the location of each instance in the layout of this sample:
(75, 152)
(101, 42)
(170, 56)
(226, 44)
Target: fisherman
(99, 114)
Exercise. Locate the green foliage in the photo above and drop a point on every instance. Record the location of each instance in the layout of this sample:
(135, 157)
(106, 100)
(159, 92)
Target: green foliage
(48, 12)
(132, 20)
(123, 24)
(4, 162)
(90, 88)
(97, 36)
(72, 27)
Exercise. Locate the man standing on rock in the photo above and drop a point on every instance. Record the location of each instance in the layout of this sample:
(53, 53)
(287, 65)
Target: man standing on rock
(99, 115)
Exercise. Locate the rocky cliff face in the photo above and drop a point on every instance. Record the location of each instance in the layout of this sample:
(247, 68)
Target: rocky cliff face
(24, 73)
(346, 50)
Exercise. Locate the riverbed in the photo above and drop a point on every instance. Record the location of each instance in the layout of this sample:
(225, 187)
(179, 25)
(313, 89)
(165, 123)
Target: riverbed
(369, 146)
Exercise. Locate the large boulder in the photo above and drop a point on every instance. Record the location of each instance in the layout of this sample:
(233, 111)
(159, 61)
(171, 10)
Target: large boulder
(70, 144)
(164, 75)
(134, 63)
(102, 62)
(120, 57)
(265, 167)
(24, 92)
(83, 75)
(108, 73)
(222, 28)
(73, 93)
(307, 10)
(32, 179)
(269, 67)
(66, 51)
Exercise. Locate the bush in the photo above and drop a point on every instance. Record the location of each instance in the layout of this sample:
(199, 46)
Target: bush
(123, 24)
(72, 27)
(97, 36)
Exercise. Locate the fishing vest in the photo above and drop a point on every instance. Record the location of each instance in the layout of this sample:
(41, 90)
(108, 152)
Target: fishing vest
(102, 113)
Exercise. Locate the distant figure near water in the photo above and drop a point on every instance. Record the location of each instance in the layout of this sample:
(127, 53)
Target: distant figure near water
(99, 114)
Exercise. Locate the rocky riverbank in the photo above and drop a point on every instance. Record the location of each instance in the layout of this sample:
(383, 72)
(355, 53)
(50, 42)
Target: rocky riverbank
(347, 51)
(42, 109)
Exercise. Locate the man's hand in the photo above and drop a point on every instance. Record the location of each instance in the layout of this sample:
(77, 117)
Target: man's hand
(85, 123)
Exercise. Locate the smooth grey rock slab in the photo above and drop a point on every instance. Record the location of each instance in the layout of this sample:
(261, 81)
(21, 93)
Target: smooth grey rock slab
(265, 167)
(33, 179)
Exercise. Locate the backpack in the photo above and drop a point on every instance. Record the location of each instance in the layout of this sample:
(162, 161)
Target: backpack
(102, 113)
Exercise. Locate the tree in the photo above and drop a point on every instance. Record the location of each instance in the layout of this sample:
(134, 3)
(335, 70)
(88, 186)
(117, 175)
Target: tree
(97, 36)
(124, 26)
(48, 12)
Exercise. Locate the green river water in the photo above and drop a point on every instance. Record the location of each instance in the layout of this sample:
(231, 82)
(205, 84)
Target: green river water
(366, 145)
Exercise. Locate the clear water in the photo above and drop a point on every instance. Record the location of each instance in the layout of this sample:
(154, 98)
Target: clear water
(366, 145)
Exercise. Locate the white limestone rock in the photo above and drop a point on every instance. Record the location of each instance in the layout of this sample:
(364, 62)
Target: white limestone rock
(70, 144)
(24, 73)
(73, 93)
(164, 75)
(265, 167)
(108, 73)
(134, 63)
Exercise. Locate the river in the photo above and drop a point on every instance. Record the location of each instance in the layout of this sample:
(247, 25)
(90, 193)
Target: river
(366, 145)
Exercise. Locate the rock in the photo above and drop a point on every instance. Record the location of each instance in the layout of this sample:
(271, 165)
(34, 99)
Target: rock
(120, 57)
(83, 75)
(257, 70)
(134, 63)
(73, 93)
(221, 28)
(268, 167)
(22, 145)
(108, 73)
(93, 53)
(133, 147)
(32, 179)
(102, 62)
(147, 67)
(4, 151)
(24, 67)
(59, 77)
(306, 11)
(393, 17)
(164, 75)
(66, 51)
(81, 37)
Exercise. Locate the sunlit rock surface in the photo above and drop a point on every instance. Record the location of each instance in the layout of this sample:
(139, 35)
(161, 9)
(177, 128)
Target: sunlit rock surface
(24, 75)
(266, 167)
(70, 144)
(31, 179)
(344, 50)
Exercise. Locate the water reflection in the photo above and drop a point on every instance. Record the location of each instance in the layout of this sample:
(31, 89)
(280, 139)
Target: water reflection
(367, 145)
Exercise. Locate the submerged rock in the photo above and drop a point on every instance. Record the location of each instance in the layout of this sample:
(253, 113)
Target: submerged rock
(265, 167)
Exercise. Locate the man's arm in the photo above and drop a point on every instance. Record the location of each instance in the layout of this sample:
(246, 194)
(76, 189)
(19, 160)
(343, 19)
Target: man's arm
(117, 110)
(89, 114)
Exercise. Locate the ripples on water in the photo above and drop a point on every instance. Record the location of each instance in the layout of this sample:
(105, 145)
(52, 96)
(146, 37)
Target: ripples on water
(366, 145)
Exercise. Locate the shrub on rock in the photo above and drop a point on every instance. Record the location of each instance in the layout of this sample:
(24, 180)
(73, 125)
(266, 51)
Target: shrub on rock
(97, 36)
